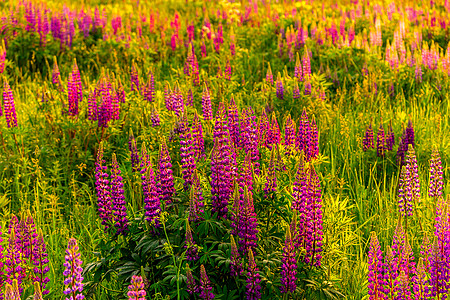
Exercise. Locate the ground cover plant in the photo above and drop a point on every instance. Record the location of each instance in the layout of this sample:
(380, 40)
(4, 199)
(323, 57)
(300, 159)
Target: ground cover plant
(224, 150)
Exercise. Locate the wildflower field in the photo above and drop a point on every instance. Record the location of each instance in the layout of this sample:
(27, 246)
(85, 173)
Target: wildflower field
(253, 149)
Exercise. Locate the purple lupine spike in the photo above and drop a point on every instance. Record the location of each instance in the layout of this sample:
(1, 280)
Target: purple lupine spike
(186, 152)
(197, 135)
(298, 71)
(136, 289)
(236, 268)
(391, 267)
(436, 180)
(307, 87)
(228, 70)
(2, 259)
(247, 224)
(168, 97)
(154, 117)
(376, 269)
(253, 287)
(221, 165)
(177, 100)
(314, 233)
(2, 57)
(390, 139)
(408, 265)
(165, 174)
(103, 189)
(289, 265)
(398, 240)
(405, 201)
(191, 247)
(76, 76)
(9, 106)
(40, 262)
(271, 180)
(245, 181)
(269, 75)
(134, 155)
(306, 66)
(206, 104)
(420, 281)
(233, 122)
(134, 78)
(120, 92)
(289, 136)
(196, 199)
(368, 139)
(275, 133)
(115, 105)
(118, 199)
(151, 196)
(92, 107)
(264, 130)
(296, 91)
(314, 146)
(205, 285)
(74, 281)
(105, 110)
(280, 88)
(192, 286)
(304, 136)
(413, 170)
(190, 99)
(56, 80)
(13, 261)
(250, 138)
(73, 96)
(381, 142)
(37, 292)
(410, 134)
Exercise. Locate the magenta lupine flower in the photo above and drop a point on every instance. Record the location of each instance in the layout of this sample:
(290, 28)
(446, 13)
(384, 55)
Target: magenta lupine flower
(368, 139)
(314, 146)
(247, 224)
(245, 181)
(410, 134)
(236, 268)
(74, 281)
(253, 291)
(115, 105)
(2, 259)
(40, 262)
(205, 285)
(13, 261)
(270, 186)
(307, 87)
(192, 286)
(92, 107)
(264, 130)
(391, 273)
(9, 106)
(436, 181)
(233, 122)
(300, 204)
(118, 199)
(56, 80)
(304, 136)
(177, 100)
(120, 92)
(168, 97)
(198, 142)
(390, 139)
(275, 133)
(190, 98)
(186, 152)
(206, 104)
(289, 265)
(381, 142)
(221, 165)
(165, 174)
(136, 288)
(405, 200)
(296, 91)
(376, 269)
(196, 199)
(289, 136)
(314, 233)
(134, 154)
(103, 189)
(306, 66)
(76, 76)
(134, 78)
(154, 117)
(105, 110)
(228, 70)
(191, 247)
(413, 170)
(2, 57)
(269, 76)
(250, 137)
(151, 196)
(73, 96)
(298, 71)
(420, 281)
(280, 88)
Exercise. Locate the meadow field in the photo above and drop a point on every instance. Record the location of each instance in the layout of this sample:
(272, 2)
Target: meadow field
(224, 149)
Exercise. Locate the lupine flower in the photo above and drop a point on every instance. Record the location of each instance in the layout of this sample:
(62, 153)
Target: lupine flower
(306, 65)
(250, 138)
(2, 57)
(177, 100)
(253, 279)
(206, 104)
(405, 201)
(296, 91)
(196, 199)
(103, 189)
(381, 142)
(376, 269)
(263, 130)
(154, 117)
(411, 166)
(280, 88)
(191, 247)
(168, 97)
(298, 72)
(56, 80)
(271, 180)
(12, 291)
(289, 265)
(289, 136)
(136, 289)
(275, 133)
(165, 174)
(151, 196)
(197, 137)
(390, 139)
(304, 140)
(233, 122)
(40, 262)
(236, 268)
(368, 139)
(247, 224)
(118, 199)
(436, 181)
(205, 285)
(134, 78)
(186, 152)
(269, 75)
(1, 260)
(74, 281)
(420, 281)
(13, 261)
(37, 292)
(192, 286)
(9, 106)
(391, 269)
(407, 139)
(314, 146)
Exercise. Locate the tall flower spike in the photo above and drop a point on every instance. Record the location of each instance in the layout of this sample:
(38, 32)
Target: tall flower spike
(192, 286)
(56, 80)
(289, 265)
(413, 170)
(405, 201)
(280, 88)
(74, 281)
(37, 292)
(9, 106)
(103, 189)
(253, 291)
(136, 288)
(134, 78)
(236, 268)
(186, 152)
(40, 262)
(420, 281)
(368, 139)
(2, 258)
(247, 224)
(233, 122)
(296, 91)
(198, 142)
(196, 199)
(381, 142)
(298, 72)
(436, 181)
(205, 285)
(271, 180)
(269, 75)
(250, 138)
(206, 104)
(191, 247)
(165, 174)
(14, 270)
(376, 279)
(118, 199)
(390, 139)
(289, 136)
(314, 146)
(154, 117)
(151, 196)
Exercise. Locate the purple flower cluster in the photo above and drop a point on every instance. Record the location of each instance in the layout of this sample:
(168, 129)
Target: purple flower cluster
(151, 196)
(192, 286)
(134, 78)
(103, 189)
(196, 199)
(75, 91)
(233, 122)
(198, 143)
(436, 181)
(206, 104)
(249, 137)
(253, 279)
(74, 281)
(236, 268)
(191, 247)
(118, 199)
(136, 289)
(289, 265)
(205, 285)
(165, 175)
(247, 224)
(289, 136)
(307, 139)
(9, 106)
(407, 139)
(186, 152)
(368, 139)
(270, 186)
(376, 269)
(381, 142)
(280, 88)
